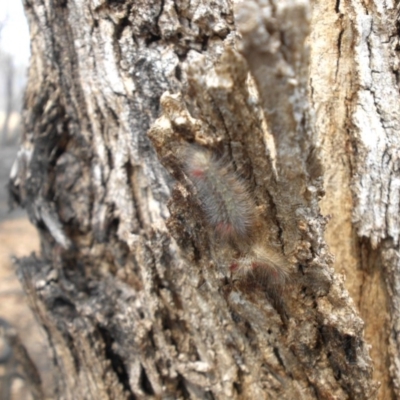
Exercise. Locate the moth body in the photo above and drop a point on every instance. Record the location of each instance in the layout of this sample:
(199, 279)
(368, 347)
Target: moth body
(224, 196)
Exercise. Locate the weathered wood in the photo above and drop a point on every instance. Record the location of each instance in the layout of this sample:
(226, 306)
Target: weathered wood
(354, 89)
(136, 291)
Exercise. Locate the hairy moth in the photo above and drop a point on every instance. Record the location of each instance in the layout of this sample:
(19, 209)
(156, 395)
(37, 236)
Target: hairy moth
(263, 265)
(231, 211)
(225, 198)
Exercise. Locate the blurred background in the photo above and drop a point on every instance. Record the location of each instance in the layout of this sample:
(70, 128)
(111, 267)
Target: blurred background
(18, 237)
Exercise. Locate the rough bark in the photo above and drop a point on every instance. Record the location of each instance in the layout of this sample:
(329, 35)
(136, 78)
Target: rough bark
(134, 288)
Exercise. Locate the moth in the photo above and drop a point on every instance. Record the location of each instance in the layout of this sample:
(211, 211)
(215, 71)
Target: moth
(225, 198)
(230, 210)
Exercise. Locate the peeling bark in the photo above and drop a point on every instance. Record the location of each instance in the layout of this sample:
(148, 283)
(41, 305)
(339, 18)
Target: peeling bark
(136, 290)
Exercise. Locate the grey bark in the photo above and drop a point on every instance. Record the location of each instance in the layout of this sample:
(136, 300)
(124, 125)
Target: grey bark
(132, 285)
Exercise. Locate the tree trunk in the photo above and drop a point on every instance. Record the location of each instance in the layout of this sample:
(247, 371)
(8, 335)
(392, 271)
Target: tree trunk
(175, 159)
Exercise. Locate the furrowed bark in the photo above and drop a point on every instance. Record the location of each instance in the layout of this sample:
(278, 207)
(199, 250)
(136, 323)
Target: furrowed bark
(354, 90)
(134, 287)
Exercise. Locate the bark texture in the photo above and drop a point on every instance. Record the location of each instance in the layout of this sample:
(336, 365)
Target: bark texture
(137, 292)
